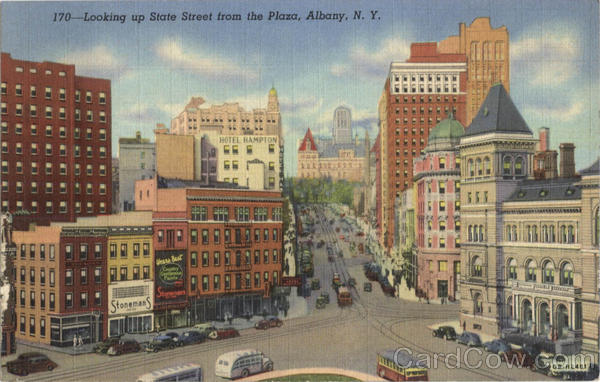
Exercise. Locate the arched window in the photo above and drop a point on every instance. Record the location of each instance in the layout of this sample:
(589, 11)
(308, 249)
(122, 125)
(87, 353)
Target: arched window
(470, 167)
(478, 167)
(534, 233)
(512, 269)
(545, 237)
(548, 274)
(530, 271)
(486, 166)
(481, 233)
(566, 274)
(563, 234)
(477, 304)
(570, 234)
(506, 165)
(529, 233)
(519, 166)
(514, 233)
(477, 266)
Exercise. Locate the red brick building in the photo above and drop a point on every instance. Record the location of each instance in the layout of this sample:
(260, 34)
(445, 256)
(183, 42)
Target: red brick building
(417, 95)
(219, 248)
(56, 142)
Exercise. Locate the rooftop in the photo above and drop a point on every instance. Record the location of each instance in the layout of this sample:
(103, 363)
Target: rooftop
(546, 189)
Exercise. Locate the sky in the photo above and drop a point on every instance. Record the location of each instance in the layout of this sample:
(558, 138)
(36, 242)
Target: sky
(155, 67)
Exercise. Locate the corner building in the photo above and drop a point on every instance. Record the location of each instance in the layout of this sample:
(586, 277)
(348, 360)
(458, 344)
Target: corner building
(56, 142)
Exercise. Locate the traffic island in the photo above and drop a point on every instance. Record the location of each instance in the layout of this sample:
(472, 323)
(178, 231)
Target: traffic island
(313, 374)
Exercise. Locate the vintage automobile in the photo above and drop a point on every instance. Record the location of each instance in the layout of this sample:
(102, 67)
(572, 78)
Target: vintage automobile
(192, 337)
(367, 286)
(205, 327)
(445, 332)
(223, 333)
(123, 347)
(160, 343)
(497, 346)
(103, 346)
(351, 282)
(269, 322)
(469, 338)
(315, 284)
(30, 363)
(321, 302)
(175, 337)
(325, 295)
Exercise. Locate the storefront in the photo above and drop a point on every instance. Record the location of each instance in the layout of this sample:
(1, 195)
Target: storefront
(170, 296)
(86, 325)
(130, 305)
(239, 305)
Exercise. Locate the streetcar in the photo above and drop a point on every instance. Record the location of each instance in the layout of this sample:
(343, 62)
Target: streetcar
(398, 366)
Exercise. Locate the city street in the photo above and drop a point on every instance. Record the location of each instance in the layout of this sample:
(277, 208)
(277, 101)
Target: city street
(345, 338)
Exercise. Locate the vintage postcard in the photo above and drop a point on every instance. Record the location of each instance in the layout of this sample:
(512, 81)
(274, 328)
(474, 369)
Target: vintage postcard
(402, 190)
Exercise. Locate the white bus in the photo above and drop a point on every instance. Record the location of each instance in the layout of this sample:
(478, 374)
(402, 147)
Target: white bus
(186, 372)
(242, 363)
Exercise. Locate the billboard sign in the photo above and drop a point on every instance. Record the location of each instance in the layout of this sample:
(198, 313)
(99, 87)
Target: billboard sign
(170, 276)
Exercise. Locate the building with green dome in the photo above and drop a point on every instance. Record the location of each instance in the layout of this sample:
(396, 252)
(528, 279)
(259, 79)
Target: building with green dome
(437, 230)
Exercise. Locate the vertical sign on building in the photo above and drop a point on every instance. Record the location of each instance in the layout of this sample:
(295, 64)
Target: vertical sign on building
(170, 276)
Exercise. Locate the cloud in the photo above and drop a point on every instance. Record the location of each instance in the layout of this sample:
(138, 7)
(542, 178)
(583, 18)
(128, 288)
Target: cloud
(561, 113)
(373, 60)
(141, 113)
(98, 61)
(203, 62)
(300, 105)
(549, 58)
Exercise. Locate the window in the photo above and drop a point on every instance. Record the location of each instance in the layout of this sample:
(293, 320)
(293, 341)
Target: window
(22, 298)
(97, 298)
(136, 273)
(530, 271)
(102, 98)
(216, 236)
(83, 252)
(69, 252)
(146, 272)
(113, 274)
(506, 165)
(113, 251)
(275, 256)
(512, 269)
(216, 259)
(83, 276)
(88, 97)
(89, 116)
(123, 274)
(242, 213)
(199, 213)
(205, 285)
(69, 277)
(477, 265)
(194, 259)
(52, 301)
(478, 304)
(123, 250)
(566, 274)
(227, 282)
(442, 205)
(519, 166)
(194, 283)
(442, 163)
(548, 273)
(52, 277)
(22, 324)
(205, 259)
(204, 236)
(43, 300)
(83, 299)
(98, 275)
(32, 325)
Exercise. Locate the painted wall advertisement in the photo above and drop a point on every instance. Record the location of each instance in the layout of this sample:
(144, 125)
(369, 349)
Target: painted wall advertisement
(127, 297)
(170, 276)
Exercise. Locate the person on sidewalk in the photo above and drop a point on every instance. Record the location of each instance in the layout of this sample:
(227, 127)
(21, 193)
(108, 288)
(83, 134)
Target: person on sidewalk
(80, 340)
(74, 342)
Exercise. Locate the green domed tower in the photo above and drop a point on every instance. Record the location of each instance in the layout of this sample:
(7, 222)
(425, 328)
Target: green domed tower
(445, 136)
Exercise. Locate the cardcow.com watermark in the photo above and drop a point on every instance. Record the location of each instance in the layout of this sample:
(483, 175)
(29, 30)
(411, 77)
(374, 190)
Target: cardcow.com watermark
(474, 358)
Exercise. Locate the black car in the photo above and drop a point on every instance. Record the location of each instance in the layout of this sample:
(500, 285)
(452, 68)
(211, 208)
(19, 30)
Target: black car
(175, 337)
(103, 346)
(445, 332)
(192, 337)
(160, 343)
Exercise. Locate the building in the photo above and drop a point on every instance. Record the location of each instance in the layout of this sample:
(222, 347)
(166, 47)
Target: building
(56, 142)
(137, 161)
(341, 130)
(487, 53)
(64, 287)
(405, 240)
(545, 165)
(437, 208)
(224, 143)
(417, 95)
(115, 185)
(226, 244)
(529, 256)
(8, 318)
(336, 161)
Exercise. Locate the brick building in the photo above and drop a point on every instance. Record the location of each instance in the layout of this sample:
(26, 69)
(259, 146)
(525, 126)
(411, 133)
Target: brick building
(56, 142)
(417, 95)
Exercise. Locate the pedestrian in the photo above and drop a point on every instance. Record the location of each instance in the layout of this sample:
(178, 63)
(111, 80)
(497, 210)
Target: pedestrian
(464, 325)
(80, 340)
(74, 341)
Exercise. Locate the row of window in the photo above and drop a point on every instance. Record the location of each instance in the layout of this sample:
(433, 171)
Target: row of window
(424, 99)
(239, 282)
(124, 276)
(237, 260)
(234, 165)
(49, 112)
(42, 301)
(486, 50)
(42, 276)
(476, 233)
(442, 242)
(49, 188)
(62, 93)
(567, 233)
(49, 207)
(32, 327)
(62, 131)
(234, 149)
(31, 248)
(421, 77)
(83, 299)
(48, 169)
(48, 150)
(480, 197)
(200, 213)
(548, 272)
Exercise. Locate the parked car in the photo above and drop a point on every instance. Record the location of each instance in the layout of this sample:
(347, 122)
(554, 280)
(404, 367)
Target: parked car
(175, 337)
(518, 357)
(160, 343)
(30, 363)
(205, 327)
(123, 347)
(445, 332)
(367, 286)
(497, 346)
(321, 302)
(103, 346)
(325, 296)
(192, 337)
(223, 333)
(269, 322)
(274, 321)
(469, 339)
(351, 282)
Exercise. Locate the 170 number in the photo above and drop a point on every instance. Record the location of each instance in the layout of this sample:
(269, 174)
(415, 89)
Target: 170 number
(62, 16)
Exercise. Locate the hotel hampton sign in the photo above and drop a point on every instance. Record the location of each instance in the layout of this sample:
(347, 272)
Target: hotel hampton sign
(241, 139)
(126, 297)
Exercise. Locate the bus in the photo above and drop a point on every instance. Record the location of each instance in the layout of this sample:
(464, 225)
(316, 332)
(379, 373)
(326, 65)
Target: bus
(242, 363)
(344, 298)
(398, 366)
(186, 372)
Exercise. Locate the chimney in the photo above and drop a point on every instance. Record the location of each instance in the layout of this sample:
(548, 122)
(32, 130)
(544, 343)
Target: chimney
(544, 134)
(567, 160)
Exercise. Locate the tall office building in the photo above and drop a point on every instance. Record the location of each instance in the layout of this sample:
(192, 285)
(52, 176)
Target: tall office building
(342, 126)
(56, 142)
